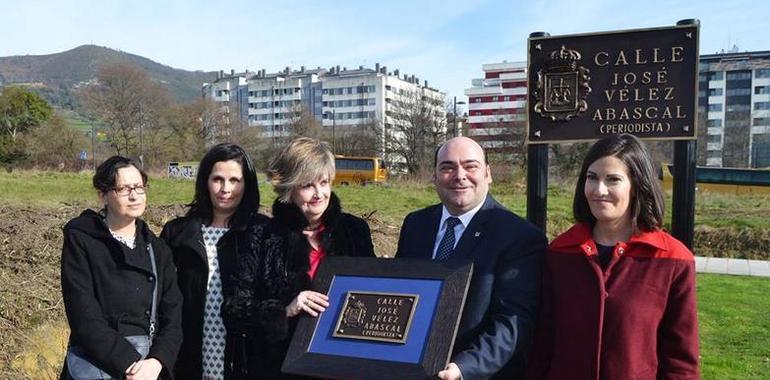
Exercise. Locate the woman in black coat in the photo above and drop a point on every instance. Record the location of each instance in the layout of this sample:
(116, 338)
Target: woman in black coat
(108, 281)
(308, 225)
(207, 243)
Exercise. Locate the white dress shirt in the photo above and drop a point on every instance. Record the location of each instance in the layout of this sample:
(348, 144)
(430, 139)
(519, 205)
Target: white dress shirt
(465, 219)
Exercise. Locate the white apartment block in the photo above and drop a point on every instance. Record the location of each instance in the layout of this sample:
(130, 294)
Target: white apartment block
(734, 97)
(338, 98)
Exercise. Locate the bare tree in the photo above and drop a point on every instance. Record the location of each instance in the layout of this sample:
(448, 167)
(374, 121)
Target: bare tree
(194, 127)
(356, 140)
(128, 103)
(302, 123)
(415, 124)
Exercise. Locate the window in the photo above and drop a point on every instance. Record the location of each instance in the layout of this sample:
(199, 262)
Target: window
(738, 91)
(715, 139)
(715, 123)
(761, 121)
(494, 98)
(738, 107)
(507, 99)
(761, 90)
(715, 92)
(762, 73)
(350, 90)
(717, 75)
(371, 88)
(715, 107)
(736, 75)
(762, 106)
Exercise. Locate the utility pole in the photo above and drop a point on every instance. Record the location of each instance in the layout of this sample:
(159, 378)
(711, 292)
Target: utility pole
(93, 145)
(455, 132)
(141, 136)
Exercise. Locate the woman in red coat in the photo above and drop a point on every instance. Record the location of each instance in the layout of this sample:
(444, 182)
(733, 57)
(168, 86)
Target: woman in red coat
(618, 291)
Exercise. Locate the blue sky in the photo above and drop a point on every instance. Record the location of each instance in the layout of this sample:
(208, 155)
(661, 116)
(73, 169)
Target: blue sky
(444, 42)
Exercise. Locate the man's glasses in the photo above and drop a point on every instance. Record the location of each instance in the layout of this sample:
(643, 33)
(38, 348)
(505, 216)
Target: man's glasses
(124, 191)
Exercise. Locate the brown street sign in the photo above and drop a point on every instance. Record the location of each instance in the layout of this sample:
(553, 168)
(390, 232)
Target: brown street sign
(588, 86)
(376, 316)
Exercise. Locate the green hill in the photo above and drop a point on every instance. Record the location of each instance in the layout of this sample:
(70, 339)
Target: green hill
(55, 76)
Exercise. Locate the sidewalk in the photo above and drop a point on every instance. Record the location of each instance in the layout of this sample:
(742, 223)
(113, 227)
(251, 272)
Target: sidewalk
(742, 267)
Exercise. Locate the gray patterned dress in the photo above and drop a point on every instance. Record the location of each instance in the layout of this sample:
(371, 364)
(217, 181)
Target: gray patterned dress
(213, 347)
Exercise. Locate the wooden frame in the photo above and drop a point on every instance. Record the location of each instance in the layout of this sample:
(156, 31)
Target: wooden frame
(436, 339)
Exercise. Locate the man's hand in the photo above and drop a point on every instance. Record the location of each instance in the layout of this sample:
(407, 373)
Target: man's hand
(147, 369)
(451, 372)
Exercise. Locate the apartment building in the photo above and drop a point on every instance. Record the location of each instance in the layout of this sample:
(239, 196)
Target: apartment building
(734, 107)
(497, 107)
(338, 97)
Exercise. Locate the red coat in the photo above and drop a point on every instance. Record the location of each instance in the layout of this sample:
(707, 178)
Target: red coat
(636, 320)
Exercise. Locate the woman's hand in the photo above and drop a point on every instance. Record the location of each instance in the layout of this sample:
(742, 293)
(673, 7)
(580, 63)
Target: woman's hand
(309, 301)
(147, 369)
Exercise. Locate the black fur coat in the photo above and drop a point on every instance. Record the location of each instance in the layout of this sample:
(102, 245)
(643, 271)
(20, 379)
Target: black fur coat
(273, 274)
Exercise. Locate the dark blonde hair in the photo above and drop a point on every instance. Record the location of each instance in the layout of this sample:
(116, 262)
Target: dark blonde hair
(301, 162)
(646, 194)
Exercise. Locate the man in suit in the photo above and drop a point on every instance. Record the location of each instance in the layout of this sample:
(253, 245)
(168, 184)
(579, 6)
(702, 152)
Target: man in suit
(507, 253)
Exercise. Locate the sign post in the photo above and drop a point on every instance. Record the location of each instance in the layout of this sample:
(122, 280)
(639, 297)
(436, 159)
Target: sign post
(584, 87)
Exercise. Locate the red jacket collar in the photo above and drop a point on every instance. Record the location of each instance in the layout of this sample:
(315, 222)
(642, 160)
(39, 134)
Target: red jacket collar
(579, 235)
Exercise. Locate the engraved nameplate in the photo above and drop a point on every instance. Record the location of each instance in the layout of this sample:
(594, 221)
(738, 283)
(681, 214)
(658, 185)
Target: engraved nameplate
(383, 317)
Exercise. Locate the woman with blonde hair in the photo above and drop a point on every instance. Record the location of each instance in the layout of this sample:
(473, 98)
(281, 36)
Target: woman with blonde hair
(308, 225)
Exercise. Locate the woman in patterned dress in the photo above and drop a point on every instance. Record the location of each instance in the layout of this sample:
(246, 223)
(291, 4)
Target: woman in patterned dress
(308, 225)
(206, 243)
(108, 281)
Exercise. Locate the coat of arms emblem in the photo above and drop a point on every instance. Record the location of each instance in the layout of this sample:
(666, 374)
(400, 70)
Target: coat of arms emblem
(354, 314)
(562, 86)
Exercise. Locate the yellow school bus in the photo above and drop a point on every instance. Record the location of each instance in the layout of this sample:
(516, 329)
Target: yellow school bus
(722, 180)
(358, 170)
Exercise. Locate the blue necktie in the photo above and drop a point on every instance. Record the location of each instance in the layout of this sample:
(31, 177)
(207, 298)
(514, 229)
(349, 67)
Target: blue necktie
(447, 244)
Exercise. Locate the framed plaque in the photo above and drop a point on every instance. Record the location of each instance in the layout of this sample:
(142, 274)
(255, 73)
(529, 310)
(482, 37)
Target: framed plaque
(387, 319)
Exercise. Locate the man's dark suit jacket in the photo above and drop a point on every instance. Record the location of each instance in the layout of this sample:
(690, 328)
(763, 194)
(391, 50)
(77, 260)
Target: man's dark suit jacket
(503, 298)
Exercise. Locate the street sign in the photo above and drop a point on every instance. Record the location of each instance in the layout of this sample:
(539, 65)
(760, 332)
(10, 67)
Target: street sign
(588, 86)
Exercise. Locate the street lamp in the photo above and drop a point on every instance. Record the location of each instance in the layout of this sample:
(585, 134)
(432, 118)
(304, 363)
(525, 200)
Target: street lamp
(454, 117)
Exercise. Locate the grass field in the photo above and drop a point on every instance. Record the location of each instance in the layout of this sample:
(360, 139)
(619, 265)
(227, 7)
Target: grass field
(391, 202)
(734, 321)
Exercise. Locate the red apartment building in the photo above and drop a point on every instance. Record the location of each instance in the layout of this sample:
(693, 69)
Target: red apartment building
(497, 107)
